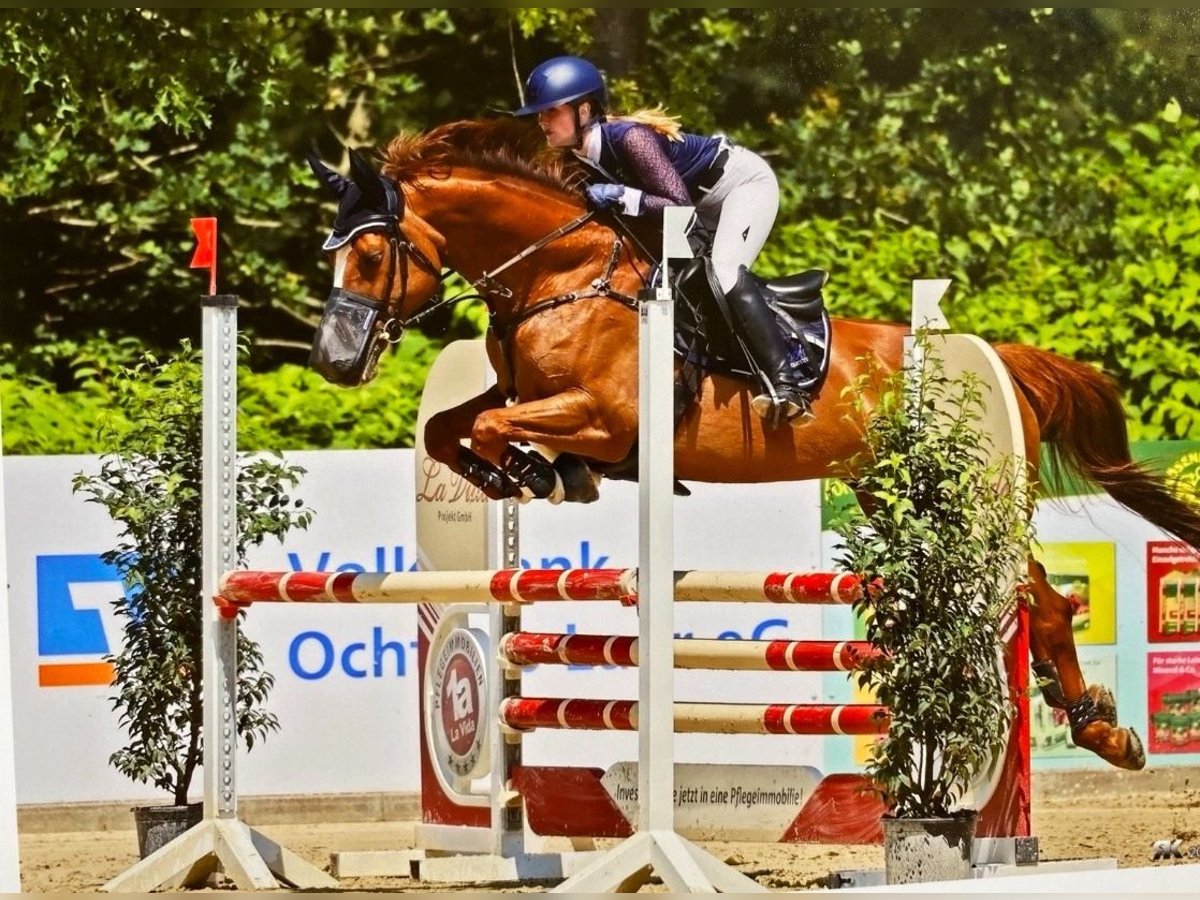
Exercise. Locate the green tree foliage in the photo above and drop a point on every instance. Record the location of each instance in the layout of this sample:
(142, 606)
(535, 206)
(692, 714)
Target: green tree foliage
(1035, 155)
(280, 409)
(114, 147)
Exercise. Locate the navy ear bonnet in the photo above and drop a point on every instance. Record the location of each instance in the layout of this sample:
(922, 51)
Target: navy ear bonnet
(366, 200)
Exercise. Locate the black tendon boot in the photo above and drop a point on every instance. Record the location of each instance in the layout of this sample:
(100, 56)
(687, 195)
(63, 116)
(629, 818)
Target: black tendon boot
(782, 399)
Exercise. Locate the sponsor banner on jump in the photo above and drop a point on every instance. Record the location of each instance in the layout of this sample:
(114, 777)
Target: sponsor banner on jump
(724, 803)
(346, 676)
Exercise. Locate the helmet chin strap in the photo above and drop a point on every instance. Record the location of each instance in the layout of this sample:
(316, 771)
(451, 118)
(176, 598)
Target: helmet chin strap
(578, 144)
(580, 129)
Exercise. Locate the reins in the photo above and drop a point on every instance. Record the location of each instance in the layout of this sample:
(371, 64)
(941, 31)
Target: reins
(487, 285)
(505, 329)
(562, 231)
(487, 281)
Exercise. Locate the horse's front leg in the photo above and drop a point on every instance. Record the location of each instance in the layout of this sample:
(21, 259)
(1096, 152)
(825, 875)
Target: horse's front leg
(572, 424)
(1090, 710)
(444, 434)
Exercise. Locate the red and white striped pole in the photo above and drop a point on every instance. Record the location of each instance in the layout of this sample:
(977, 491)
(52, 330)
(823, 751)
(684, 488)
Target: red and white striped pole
(531, 586)
(527, 713)
(522, 648)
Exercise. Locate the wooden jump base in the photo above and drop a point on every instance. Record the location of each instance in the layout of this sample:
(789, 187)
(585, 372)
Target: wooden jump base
(529, 713)
(522, 648)
(531, 586)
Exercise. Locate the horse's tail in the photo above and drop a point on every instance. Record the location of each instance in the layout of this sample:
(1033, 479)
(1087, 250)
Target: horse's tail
(1081, 419)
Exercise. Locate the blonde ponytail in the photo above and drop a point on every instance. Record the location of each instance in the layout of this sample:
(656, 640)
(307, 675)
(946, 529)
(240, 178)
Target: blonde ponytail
(657, 118)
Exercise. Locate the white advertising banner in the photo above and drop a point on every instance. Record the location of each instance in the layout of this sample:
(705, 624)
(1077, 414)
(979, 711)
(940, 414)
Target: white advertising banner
(346, 679)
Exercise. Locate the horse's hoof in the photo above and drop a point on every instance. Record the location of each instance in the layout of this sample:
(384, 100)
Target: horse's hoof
(1106, 705)
(1120, 747)
(1135, 753)
(580, 483)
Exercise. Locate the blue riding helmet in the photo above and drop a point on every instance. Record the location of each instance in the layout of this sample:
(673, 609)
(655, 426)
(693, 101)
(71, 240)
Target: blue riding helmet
(561, 80)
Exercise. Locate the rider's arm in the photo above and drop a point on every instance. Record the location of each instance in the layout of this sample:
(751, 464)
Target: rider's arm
(661, 184)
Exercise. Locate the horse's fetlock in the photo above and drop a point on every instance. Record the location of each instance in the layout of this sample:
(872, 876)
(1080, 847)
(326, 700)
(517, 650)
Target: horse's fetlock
(580, 484)
(1046, 674)
(531, 470)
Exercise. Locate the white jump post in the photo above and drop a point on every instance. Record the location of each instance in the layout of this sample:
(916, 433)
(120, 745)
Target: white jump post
(221, 841)
(10, 862)
(683, 866)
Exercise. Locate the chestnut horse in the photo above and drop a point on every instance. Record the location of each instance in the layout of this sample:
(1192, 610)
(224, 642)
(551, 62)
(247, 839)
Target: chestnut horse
(481, 199)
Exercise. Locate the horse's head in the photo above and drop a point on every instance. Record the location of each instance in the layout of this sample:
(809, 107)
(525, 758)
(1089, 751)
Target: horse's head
(386, 268)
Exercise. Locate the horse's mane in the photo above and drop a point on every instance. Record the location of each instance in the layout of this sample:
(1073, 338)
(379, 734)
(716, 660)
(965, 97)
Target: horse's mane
(503, 146)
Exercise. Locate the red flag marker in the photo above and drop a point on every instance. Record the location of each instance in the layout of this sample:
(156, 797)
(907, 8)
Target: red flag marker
(205, 256)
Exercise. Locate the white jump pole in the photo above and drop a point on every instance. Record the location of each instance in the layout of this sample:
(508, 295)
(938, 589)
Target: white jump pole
(656, 846)
(10, 862)
(221, 841)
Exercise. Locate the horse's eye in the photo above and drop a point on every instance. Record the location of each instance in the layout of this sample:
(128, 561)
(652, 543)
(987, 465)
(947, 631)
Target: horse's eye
(372, 257)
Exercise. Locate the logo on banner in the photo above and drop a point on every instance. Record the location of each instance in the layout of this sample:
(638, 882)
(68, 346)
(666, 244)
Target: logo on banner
(458, 697)
(65, 629)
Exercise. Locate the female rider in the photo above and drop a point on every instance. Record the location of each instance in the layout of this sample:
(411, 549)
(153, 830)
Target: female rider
(641, 163)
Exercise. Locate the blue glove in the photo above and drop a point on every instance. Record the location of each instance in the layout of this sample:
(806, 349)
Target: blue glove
(604, 196)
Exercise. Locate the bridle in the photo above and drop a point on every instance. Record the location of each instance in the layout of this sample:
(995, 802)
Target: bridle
(400, 245)
(486, 286)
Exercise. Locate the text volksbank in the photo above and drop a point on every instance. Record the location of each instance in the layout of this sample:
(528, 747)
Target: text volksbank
(68, 632)
(314, 655)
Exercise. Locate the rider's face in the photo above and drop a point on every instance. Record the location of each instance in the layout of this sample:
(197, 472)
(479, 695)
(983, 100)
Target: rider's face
(558, 124)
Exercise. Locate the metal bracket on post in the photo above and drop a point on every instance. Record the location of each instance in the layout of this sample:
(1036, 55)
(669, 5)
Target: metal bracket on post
(683, 866)
(508, 814)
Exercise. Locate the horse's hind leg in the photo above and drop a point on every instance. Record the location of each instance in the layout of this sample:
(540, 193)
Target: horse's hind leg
(1090, 709)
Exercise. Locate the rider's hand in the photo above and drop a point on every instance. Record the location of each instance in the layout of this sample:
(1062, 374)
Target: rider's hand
(604, 195)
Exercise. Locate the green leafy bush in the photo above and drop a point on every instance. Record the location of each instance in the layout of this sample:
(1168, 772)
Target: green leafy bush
(288, 408)
(150, 484)
(945, 531)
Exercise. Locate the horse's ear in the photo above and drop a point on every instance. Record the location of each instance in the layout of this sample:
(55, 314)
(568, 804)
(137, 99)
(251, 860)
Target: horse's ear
(368, 180)
(336, 182)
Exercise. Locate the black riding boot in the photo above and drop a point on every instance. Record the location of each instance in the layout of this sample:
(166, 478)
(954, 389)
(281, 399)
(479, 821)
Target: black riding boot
(782, 399)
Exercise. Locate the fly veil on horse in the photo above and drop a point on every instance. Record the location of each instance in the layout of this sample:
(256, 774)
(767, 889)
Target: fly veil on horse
(472, 198)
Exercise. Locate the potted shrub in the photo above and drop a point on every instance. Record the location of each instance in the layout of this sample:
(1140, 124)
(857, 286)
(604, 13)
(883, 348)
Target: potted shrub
(944, 534)
(150, 483)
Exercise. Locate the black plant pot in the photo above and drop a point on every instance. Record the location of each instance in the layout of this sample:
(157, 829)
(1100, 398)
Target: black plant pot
(157, 826)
